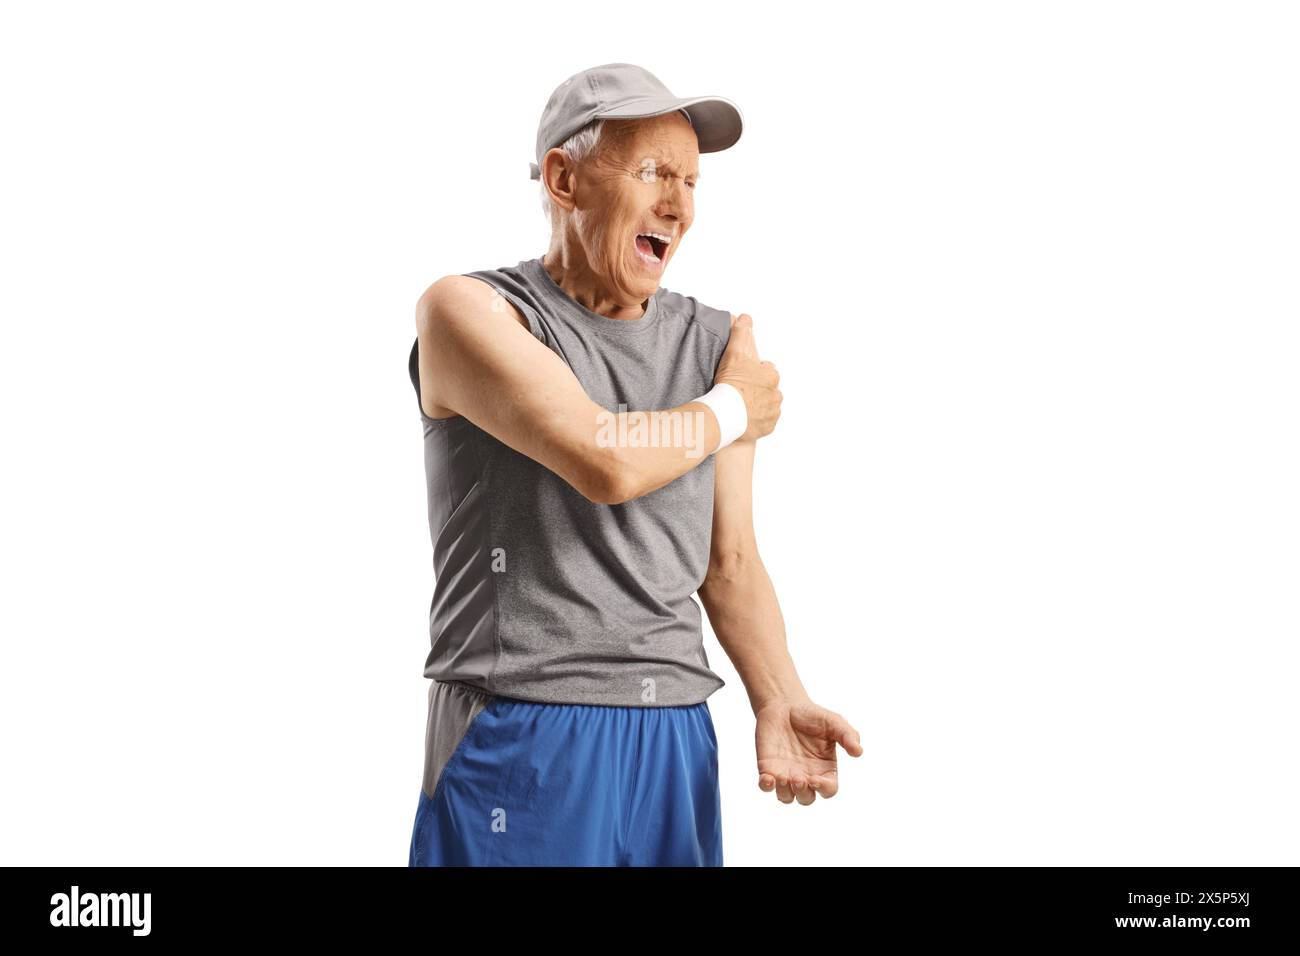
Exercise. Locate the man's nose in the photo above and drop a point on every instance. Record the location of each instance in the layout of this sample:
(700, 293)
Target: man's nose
(674, 204)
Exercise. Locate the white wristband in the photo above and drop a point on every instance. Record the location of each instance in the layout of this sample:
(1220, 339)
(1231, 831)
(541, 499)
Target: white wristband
(729, 407)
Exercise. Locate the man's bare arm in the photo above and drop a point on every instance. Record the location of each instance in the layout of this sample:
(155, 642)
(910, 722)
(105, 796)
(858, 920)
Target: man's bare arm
(794, 738)
(737, 592)
(478, 360)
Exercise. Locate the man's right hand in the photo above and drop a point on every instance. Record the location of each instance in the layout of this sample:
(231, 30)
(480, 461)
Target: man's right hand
(756, 380)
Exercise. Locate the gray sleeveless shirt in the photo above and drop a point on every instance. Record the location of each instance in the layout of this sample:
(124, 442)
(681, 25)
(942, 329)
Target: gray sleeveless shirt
(540, 594)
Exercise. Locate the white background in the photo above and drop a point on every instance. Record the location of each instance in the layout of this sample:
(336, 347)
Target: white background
(1029, 271)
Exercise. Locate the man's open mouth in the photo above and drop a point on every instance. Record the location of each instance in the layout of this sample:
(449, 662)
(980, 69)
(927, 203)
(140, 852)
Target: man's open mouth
(652, 245)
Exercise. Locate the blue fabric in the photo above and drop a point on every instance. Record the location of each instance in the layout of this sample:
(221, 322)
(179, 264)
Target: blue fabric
(534, 784)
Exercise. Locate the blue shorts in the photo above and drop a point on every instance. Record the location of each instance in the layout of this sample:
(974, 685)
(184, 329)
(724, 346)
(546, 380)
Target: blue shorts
(510, 782)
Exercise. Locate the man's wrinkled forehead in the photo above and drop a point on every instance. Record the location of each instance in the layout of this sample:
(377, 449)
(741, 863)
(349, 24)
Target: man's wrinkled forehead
(666, 147)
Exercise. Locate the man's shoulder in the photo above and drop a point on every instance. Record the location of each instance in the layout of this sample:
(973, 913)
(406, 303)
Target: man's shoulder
(717, 322)
(466, 294)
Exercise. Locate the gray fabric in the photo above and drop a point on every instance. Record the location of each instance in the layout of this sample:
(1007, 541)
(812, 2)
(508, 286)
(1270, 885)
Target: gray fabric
(583, 603)
(452, 709)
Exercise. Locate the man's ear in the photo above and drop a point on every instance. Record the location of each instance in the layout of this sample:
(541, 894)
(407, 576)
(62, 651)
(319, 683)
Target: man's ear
(564, 175)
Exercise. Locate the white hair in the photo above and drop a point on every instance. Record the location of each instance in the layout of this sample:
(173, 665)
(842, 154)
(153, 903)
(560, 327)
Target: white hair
(578, 147)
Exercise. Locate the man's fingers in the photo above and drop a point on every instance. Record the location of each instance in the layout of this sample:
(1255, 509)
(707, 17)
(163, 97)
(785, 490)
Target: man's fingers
(825, 785)
(742, 335)
(844, 734)
(800, 787)
(784, 792)
(803, 791)
(780, 782)
(742, 342)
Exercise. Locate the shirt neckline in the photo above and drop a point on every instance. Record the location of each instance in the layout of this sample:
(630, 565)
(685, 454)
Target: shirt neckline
(594, 319)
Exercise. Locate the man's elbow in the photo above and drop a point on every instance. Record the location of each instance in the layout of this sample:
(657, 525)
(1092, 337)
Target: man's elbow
(606, 494)
(731, 564)
(605, 479)
(613, 491)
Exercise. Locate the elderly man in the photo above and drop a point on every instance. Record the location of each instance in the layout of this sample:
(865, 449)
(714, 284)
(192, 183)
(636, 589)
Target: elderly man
(589, 448)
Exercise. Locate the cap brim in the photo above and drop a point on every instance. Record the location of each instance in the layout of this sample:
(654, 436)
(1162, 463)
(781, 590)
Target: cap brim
(717, 121)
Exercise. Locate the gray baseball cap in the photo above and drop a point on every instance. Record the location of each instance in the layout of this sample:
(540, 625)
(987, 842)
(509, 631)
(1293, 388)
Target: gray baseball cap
(627, 91)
